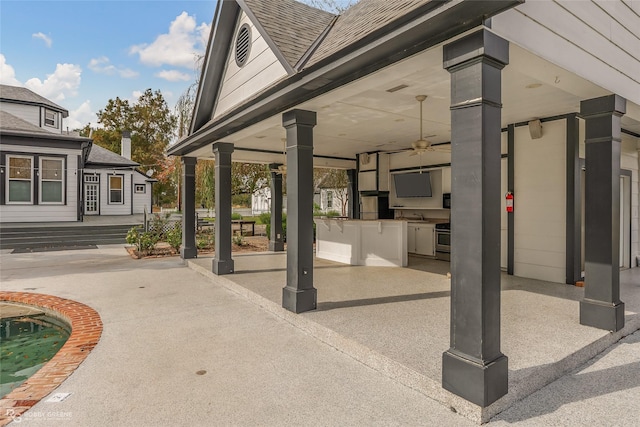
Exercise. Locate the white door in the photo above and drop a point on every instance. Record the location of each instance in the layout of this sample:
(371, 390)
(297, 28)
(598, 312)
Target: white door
(91, 198)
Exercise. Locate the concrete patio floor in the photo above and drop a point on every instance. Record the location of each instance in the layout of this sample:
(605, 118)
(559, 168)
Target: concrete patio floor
(396, 320)
(385, 330)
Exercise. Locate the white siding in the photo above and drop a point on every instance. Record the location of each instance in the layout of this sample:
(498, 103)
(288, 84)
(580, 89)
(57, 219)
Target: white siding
(629, 161)
(141, 200)
(107, 208)
(28, 113)
(261, 70)
(46, 213)
(599, 41)
(540, 203)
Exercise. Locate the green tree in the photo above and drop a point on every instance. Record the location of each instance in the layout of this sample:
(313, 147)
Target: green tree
(151, 124)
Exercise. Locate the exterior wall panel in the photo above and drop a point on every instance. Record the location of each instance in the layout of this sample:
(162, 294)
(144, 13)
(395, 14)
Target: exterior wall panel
(589, 39)
(261, 70)
(45, 212)
(540, 193)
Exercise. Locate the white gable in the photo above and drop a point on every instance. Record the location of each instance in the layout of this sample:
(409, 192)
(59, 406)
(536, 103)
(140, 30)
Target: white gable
(260, 71)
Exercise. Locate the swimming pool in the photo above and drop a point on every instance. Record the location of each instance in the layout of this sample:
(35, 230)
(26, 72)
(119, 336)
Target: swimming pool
(26, 344)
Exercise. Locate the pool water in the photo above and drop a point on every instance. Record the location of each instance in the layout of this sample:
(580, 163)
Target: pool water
(26, 344)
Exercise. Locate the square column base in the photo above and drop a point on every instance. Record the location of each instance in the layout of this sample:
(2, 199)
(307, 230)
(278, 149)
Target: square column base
(601, 315)
(479, 384)
(299, 300)
(221, 267)
(188, 253)
(276, 246)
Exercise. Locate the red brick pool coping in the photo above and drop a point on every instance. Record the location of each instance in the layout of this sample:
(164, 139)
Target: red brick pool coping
(86, 328)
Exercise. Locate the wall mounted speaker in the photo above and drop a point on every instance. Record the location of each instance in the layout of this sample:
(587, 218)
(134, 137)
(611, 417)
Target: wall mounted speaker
(535, 129)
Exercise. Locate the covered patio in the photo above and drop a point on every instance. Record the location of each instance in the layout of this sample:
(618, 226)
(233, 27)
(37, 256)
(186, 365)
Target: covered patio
(453, 89)
(396, 321)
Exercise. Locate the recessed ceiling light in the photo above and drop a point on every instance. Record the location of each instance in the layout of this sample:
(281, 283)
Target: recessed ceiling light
(399, 120)
(342, 134)
(260, 136)
(533, 85)
(397, 88)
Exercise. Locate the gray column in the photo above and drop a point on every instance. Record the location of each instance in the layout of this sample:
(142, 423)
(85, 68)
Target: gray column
(573, 259)
(188, 249)
(474, 367)
(276, 240)
(352, 194)
(222, 263)
(299, 295)
(601, 306)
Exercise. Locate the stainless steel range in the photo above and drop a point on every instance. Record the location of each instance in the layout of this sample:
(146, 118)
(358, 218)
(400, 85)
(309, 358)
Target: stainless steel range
(443, 241)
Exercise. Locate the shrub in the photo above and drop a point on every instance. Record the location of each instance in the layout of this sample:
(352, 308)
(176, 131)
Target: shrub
(331, 214)
(147, 241)
(238, 240)
(205, 240)
(174, 236)
(265, 218)
(236, 216)
(133, 236)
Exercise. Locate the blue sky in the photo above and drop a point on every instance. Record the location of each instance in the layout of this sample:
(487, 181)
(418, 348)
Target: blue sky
(81, 53)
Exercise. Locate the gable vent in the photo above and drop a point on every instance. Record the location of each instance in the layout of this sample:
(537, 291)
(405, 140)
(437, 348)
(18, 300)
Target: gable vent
(243, 45)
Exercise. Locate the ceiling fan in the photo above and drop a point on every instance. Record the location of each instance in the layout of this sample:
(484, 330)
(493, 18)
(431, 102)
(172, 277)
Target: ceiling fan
(422, 145)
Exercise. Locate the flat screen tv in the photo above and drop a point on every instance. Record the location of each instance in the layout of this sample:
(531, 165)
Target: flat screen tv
(412, 184)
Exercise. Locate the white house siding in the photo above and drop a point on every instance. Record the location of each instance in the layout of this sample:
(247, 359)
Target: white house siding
(28, 113)
(599, 41)
(260, 71)
(107, 208)
(141, 200)
(629, 161)
(540, 203)
(41, 212)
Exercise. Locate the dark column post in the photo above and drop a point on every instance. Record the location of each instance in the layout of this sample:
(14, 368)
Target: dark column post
(474, 367)
(299, 295)
(222, 263)
(352, 194)
(601, 306)
(276, 241)
(574, 204)
(188, 249)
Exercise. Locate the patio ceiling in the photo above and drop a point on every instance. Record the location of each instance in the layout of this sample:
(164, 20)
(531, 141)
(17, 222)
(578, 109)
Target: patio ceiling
(364, 116)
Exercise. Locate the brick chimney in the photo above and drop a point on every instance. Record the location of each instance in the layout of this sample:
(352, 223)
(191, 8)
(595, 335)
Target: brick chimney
(126, 144)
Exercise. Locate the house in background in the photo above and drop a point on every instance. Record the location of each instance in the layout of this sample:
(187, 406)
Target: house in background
(51, 175)
(112, 184)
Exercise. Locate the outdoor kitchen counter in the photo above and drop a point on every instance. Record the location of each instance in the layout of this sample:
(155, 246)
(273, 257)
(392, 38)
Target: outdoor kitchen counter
(379, 243)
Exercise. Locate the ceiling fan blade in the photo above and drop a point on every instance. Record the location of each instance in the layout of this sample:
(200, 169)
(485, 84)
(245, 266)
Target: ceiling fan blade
(415, 153)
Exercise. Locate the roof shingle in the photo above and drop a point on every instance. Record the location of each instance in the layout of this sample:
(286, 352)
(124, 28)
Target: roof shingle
(359, 21)
(102, 156)
(293, 26)
(22, 94)
(10, 122)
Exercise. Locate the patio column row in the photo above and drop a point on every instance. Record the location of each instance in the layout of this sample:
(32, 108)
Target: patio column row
(601, 306)
(474, 367)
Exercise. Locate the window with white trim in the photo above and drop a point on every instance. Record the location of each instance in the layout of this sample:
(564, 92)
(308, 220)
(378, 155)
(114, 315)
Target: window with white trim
(115, 189)
(51, 118)
(51, 180)
(140, 188)
(20, 179)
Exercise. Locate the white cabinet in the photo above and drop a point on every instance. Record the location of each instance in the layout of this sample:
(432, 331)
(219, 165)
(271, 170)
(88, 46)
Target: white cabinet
(421, 239)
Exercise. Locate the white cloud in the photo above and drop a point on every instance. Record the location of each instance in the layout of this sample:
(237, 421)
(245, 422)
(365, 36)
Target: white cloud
(179, 47)
(7, 73)
(64, 82)
(102, 65)
(47, 40)
(79, 117)
(173, 75)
